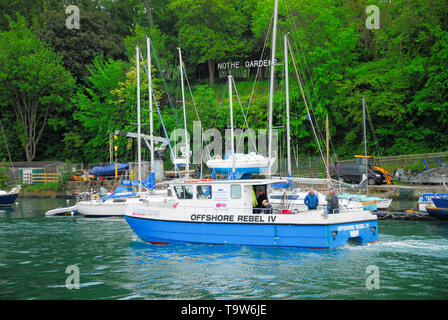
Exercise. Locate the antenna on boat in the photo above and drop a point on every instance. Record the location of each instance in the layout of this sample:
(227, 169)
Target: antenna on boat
(271, 89)
(187, 145)
(139, 158)
(151, 121)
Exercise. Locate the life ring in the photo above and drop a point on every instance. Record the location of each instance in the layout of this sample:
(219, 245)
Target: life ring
(95, 197)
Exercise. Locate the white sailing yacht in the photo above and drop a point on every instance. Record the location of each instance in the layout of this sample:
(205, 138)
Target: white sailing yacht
(115, 204)
(239, 164)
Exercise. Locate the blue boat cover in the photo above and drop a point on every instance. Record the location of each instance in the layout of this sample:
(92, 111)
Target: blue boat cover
(285, 185)
(109, 170)
(121, 192)
(149, 183)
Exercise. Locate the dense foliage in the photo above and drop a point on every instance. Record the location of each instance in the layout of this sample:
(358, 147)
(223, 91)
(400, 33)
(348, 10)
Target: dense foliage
(63, 91)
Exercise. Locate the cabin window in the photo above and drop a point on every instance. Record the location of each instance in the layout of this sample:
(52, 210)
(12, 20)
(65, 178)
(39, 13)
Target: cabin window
(184, 192)
(204, 192)
(235, 191)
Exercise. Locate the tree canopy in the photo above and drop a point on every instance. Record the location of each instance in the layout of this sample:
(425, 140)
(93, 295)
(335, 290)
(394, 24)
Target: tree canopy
(62, 91)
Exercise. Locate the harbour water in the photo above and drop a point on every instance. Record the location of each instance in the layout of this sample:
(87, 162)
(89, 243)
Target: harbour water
(408, 262)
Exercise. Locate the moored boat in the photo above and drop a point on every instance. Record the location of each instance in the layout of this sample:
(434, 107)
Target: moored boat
(240, 163)
(8, 198)
(426, 200)
(438, 213)
(294, 200)
(441, 202)
(115, 204)
(367, 202)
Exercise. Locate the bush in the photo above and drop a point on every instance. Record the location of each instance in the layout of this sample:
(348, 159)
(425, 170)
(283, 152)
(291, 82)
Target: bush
(50, 186)
(4, 178)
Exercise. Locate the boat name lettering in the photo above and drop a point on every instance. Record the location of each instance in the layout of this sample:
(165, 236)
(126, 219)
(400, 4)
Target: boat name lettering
(212, 217)
(228, 218)
(353, 227)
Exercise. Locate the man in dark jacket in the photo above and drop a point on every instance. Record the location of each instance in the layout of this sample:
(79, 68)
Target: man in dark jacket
(261, 197)
(332, 202)
(311, 200)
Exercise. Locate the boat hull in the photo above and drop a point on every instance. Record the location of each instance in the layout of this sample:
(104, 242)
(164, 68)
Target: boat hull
(266, 234)
(384, 204)
(438, 213)
(8, 199)
(96, 210)
(440, 203)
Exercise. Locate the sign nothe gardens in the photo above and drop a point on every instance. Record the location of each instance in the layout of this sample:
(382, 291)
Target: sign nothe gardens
(240, 69)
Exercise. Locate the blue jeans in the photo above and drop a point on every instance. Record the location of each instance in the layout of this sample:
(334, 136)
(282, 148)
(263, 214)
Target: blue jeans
(330, 210)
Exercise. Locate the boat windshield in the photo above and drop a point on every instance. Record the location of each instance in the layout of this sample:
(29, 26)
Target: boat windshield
(204, 192)
(184, 192)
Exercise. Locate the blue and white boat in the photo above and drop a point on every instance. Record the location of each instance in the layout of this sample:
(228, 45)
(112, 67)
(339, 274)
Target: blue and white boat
(8, 198)
(437, 213)
(441, 202)
(426, 200)
(222, 212)
(368, 203)
(115, 204)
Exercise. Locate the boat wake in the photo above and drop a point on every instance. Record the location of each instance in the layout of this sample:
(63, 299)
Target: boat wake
(415, 245)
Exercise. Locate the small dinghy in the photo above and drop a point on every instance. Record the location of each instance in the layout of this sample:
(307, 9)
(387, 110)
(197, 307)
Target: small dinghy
(68, 211)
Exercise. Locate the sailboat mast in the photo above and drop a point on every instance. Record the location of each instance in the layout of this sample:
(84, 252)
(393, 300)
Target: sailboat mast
(139, 161)
(365, 139)
(187, 145)
(151, 121)
(232, 142)
(271, 89)
(328, 150)
(288, 132)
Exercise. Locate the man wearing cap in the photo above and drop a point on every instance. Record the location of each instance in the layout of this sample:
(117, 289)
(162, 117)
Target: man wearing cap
(332, 202)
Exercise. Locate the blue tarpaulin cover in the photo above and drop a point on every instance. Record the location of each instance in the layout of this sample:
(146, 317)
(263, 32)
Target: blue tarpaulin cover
(109, 170)
(149, 183)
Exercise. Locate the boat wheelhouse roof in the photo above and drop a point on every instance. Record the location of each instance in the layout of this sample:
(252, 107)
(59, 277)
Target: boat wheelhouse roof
(254, 182)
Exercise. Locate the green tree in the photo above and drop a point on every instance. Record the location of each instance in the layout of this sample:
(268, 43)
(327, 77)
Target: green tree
(98, 33)
(109, 103)
(211, 30)
(33, 84)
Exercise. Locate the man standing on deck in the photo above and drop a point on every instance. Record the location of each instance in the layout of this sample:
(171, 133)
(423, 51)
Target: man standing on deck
(332, 202)
(311, 200)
